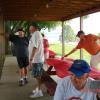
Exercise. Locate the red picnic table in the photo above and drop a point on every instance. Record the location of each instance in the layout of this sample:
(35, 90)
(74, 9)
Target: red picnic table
(61, 67)
(61, 70)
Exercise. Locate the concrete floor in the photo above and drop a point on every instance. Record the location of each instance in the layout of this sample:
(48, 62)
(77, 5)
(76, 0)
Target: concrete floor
(9, 89)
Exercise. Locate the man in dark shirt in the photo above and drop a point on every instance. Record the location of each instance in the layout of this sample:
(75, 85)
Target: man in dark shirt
(21, 49)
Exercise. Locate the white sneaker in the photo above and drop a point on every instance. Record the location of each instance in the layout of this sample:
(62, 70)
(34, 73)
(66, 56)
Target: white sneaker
(40, 93)
(36, 90)
(37, 94)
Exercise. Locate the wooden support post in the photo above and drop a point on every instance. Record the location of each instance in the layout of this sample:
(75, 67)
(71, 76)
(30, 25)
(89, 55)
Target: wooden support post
(63, 44)
(81, 28)
(2, 43)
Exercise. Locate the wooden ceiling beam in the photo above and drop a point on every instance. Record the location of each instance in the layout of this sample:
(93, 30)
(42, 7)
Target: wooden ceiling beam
(83, 13)
(47, 9)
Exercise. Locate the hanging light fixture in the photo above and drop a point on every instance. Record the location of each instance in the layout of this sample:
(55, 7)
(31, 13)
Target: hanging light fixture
(35, 15)
(47, 6)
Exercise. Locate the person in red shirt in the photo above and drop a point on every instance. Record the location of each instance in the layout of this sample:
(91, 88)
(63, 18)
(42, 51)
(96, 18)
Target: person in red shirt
(89, 43)
(46, 46)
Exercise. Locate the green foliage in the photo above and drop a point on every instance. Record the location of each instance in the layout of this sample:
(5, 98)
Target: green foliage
(12, 26)
(85, 17)
(68, 33)
(50, 24)
(99, 34)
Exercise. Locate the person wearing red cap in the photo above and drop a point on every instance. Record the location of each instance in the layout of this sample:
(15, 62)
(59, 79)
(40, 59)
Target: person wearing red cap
(89, 43)
(46, 46)
(77, 86)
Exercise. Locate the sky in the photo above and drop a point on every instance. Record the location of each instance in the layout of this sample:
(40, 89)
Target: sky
(53, 35)
(90, 25)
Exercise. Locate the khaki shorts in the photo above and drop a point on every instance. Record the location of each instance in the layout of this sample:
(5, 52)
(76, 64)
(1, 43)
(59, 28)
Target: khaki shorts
(95, 60)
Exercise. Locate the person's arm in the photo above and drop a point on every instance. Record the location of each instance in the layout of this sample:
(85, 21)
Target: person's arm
(79, 46)
(35, 45)
(12, 38)
(33, 53)
(47, 44)
(98, 96)
(27, 41)
(73, 50)
(32, 56)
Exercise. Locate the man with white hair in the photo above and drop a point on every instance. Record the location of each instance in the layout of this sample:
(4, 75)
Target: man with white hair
(76, 86)
(36, 57)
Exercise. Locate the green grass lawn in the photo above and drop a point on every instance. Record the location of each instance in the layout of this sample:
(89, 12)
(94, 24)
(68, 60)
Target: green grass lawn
(76, 55)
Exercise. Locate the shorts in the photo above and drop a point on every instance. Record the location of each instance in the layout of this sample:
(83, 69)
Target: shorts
(23, 62)
(95, 60)
(37, 70)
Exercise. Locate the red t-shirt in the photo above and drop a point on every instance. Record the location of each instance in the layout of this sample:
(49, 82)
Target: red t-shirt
(89, 44)
(46, 45)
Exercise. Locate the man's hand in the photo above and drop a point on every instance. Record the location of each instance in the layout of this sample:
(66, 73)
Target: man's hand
(98, 96)
(62, 58)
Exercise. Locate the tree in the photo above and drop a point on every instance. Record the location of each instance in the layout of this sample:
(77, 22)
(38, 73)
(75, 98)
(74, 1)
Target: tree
(12, 26)
(68, 33)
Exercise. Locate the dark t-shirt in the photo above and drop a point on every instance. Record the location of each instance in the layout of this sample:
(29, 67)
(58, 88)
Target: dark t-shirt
(20, 44)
